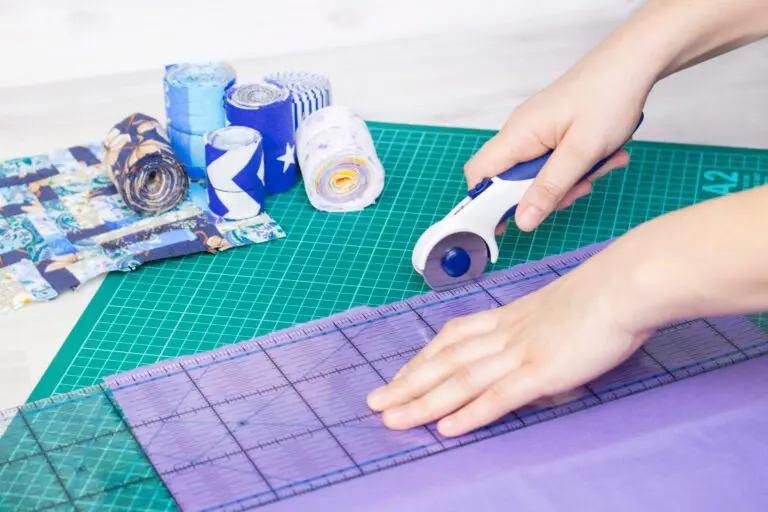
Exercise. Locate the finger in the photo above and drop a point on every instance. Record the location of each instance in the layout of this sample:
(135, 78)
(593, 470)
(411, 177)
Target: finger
(580, 190)
(507, 148)
(501, 228)
(569, 162)
(465, 384)
(455, 330)
(617, 161)
(518, 388)
(583, 188)
(434, 371)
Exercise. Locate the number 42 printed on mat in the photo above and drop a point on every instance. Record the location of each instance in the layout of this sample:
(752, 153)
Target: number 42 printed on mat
(720, 183)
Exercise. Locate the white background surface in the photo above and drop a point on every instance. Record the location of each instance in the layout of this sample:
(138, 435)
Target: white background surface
(69, 69)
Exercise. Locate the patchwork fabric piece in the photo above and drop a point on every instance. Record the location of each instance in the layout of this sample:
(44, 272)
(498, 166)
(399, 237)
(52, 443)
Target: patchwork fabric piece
(143, 168)
(63, 222)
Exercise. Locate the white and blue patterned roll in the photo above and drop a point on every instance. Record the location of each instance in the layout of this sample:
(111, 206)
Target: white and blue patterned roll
(194, 106)
(266, 108)
(235, 169)
(338, 161)
(309, 92)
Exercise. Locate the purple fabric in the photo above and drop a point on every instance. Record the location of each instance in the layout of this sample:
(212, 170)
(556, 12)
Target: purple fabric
(700, 444)
(286, 413)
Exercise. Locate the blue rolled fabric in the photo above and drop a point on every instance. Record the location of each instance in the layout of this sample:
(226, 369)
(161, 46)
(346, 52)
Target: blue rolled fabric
(190, 150)
(194, 106)
(267, 108)
(142, 166)
(235, 169)
(309, 92)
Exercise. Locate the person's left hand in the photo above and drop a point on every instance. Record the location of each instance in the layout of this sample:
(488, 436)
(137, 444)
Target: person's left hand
(480, 367)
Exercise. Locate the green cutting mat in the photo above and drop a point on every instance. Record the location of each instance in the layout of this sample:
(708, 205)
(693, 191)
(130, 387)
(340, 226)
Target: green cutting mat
(331, 262)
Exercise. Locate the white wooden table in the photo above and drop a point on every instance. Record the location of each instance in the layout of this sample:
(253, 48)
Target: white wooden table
(469, 71)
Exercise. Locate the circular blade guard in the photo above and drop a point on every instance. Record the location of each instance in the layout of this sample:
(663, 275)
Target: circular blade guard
(434, 272)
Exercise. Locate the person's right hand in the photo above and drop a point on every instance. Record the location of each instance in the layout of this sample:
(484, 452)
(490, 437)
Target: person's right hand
(584, 116)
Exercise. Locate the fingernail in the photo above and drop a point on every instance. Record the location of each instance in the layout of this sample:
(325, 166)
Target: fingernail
(530, 217)
(376, 398)
(392, 416)
(445, 426)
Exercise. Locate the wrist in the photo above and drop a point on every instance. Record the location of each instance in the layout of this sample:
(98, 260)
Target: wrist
(631, 286)
(611, 291)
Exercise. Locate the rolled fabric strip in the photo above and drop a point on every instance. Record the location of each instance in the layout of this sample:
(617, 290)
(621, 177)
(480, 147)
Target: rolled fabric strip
(190, 150)
(340, 118)
(309, 92)
(338, 160)
(267, 109)
(234, 158)
(194, 105)
(194, 95)
(142, 166)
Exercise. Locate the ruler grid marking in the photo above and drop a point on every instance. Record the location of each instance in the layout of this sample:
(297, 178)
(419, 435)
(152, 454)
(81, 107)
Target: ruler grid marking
(656, 360)
(722, 335)
(378, 373)
(422, 318)
(47, 458)
(317, 416)
(120, 415)
(229, 431)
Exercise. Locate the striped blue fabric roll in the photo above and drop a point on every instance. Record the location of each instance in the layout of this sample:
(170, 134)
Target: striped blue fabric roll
(267, 109)
(309, 92)
(189, 148)
(194, 105)
(235, 168)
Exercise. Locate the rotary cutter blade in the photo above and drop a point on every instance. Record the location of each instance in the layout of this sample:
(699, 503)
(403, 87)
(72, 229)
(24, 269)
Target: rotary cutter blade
(454, 260)
(457, 249)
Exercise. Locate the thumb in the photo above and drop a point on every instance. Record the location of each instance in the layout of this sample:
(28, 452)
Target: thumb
(569, 162)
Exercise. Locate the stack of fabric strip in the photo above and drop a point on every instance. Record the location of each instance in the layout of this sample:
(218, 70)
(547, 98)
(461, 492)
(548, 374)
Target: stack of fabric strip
(194, 103)
(289, 123)
(142, 166)
(338, 161)
(267, 109)
(309, 92)
(234, 158)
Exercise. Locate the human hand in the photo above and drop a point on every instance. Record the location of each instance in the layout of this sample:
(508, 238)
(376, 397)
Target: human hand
(584, 116)
(480, 367)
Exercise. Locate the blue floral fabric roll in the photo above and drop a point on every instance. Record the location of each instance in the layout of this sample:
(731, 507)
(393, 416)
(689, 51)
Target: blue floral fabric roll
(142, 165)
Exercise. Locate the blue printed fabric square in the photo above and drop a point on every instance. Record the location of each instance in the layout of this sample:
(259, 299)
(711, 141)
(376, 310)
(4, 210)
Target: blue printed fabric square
(62, 223)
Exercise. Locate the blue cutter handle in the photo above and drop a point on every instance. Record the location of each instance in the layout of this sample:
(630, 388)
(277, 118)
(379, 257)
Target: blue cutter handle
(530, 169)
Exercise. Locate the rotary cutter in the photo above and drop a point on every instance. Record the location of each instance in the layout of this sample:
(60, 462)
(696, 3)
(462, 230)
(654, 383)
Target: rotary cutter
(457, 249)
